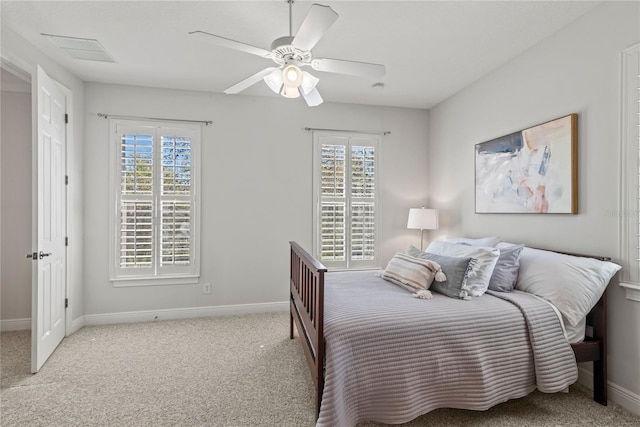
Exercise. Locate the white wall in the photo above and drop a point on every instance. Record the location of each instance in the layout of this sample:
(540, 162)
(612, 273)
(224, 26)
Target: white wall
(577, 70)
(26, 57)
(257, 189)
(15, 123)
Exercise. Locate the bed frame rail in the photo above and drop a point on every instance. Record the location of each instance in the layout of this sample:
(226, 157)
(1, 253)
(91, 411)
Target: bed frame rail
(594, 347)
(307, 312)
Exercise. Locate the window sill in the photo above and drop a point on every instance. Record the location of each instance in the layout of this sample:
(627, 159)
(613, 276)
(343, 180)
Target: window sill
(154, 281)
(633, 291)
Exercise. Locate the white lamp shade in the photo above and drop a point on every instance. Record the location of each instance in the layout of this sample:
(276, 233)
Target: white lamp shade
(274, 80)
(422, 219)
(309, 82)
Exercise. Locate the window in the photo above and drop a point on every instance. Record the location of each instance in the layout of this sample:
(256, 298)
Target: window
(154, 219)
(630, 177)
(345, 191)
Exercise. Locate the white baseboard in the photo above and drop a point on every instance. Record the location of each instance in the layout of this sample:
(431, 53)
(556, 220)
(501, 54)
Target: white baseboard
(15, 325)
(618, 395)
(182, 313)
(76, 324)
(149, 315)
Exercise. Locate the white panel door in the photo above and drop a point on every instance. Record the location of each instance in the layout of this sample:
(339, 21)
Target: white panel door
(49, 272)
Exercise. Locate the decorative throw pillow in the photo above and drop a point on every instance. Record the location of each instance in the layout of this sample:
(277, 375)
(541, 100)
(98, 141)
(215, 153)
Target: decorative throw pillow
(482, 264)
(505, 273)
(455, 269)
(484, 241)
(573, 284)
(411, 273)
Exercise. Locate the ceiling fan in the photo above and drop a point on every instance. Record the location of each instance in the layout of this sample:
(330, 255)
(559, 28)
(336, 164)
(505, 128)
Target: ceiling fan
(292, 52)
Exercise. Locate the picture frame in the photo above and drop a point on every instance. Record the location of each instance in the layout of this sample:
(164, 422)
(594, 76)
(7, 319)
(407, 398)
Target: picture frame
(534, 170)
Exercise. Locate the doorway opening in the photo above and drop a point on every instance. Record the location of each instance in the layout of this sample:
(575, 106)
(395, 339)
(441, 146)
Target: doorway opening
(16, 212)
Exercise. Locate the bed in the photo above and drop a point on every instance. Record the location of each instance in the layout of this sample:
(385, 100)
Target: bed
(386, 362)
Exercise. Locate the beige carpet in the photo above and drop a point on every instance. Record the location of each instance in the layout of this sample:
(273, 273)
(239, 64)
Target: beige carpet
(223, 371)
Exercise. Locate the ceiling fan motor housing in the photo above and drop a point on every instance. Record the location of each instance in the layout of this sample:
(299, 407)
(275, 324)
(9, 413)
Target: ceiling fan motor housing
(283, 52)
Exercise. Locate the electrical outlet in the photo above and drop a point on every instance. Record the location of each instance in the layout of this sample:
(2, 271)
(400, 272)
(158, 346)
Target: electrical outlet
(206, 288)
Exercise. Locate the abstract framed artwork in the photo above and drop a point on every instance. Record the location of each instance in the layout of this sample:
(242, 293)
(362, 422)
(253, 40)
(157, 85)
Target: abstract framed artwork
(530, 171)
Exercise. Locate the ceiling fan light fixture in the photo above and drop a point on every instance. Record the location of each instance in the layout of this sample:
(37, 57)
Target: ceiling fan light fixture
(290, 92)
(308, 83)
(274, 80)
(291, 76)
(292, 52)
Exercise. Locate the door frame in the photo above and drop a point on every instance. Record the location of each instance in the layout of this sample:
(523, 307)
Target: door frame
(16, 64)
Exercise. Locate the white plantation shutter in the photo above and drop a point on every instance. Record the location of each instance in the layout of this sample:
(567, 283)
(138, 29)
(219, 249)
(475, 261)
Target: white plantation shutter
(363, 231)
(332, 231)
(154, 189)
(363, 192)
(136, 234)
(136, 201)
(332, 206)
(345, 189)
(175, 201)
(176, 237)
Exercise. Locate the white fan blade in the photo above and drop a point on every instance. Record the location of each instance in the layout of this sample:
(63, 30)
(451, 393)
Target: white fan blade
(315, 24)
(231, 44)
(312, 98)
(249, 81)
(353, 68)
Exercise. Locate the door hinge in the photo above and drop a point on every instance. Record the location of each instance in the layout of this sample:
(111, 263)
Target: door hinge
(66, 303)
(66, 241)
(66, 180)
(66, 118)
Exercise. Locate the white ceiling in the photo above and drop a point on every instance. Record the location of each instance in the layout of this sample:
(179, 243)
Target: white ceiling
(431, 49)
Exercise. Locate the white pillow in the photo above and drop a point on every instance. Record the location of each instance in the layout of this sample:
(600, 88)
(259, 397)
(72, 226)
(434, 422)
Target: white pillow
(481, 266)
(573, 284)
(483, 241)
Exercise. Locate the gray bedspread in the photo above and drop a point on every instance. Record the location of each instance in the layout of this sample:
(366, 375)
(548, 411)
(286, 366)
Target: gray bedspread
(391, 357)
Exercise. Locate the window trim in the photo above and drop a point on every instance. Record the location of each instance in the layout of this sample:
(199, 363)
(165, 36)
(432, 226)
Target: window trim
(348, 264)
(161, 278)
(629, 221)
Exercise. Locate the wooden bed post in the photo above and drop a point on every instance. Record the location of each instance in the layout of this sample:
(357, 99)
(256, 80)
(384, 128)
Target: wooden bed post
(599, 318)
(306, 280)
(594, 348)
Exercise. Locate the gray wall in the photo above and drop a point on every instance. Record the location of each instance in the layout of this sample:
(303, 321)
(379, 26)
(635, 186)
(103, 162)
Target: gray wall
(15, 141)
(256, 189)
(575, 70)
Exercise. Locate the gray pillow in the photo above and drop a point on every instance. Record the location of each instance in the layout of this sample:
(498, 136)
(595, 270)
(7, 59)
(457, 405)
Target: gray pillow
(505, 273)
(456, 270)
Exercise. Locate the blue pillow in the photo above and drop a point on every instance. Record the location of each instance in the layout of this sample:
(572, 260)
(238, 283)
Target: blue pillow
(455, 268)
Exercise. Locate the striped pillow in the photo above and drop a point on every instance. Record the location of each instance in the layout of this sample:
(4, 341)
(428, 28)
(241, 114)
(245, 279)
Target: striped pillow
(410, 273)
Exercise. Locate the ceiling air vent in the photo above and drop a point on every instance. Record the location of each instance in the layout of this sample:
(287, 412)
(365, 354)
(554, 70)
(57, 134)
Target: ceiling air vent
(79, 48)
